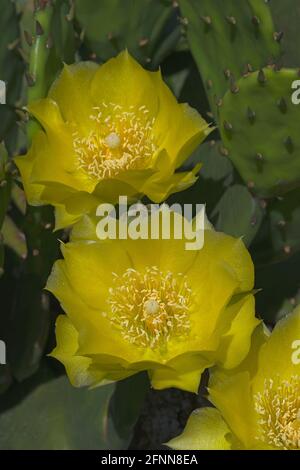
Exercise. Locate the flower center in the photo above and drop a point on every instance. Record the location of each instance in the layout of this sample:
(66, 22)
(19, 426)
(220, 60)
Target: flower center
(112, 141)
(279, 410)
(120, 140)
(150, 307)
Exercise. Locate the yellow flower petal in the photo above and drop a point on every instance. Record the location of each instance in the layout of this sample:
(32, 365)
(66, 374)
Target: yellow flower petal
(82, 260)
(85, 229)
(280, 355)
(126, 83)
(182, 372)
(47, 112)
(81, 370)
(63, 218)
(54, 161)
(158, 190)
(233, 398)
(205, 430)
(77, 367)
(70, 92)
(183, 121)
(25, 164)
(229, 254)
(235, 344)
(167, 254)
(226, 259)
(94, 330)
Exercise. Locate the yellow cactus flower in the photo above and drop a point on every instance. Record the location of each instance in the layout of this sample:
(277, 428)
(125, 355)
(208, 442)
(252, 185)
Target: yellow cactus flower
(108, 130)
(150, 305)
(258, 403)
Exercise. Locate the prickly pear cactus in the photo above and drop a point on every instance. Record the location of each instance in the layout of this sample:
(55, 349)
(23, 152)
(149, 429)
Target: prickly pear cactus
(147, 28)
(260, 130)
(12, 74)
(50, 42)
(229, 39)
(230, 205)
(286, 15)
(284, 220)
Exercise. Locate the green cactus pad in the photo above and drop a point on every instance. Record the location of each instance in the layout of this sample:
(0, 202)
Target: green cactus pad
(284, 220)
(238, 213)
(11, 70)
(286, 15)
(227, 39)
(259, 125)
(143, 27)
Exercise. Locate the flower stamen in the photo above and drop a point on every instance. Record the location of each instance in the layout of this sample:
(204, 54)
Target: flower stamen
(120, 140)
(150, 307)
(279, 410)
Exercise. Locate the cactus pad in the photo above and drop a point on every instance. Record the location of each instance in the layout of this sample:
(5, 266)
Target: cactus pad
(286, 15)
(143, 27)
(260, 130)
(227, 39)
(284, 220)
